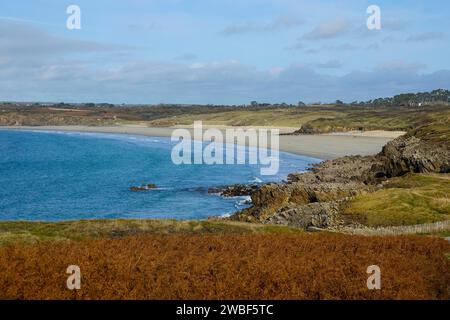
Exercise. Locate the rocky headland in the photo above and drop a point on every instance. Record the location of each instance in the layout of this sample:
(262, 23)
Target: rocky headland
(315, 199)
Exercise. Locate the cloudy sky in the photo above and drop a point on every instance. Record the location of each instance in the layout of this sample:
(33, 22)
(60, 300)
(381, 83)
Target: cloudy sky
(221, 51)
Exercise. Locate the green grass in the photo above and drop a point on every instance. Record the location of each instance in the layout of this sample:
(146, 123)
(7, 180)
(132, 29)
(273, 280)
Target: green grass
(320, 119)
(436, 133)
(283, 117)
(409, 200)
(440, 234)
(32, 232)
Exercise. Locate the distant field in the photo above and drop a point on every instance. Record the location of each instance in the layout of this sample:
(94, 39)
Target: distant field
(260, 266)
(287, 117)
(314, 119)
(409, 200)
(319, 119)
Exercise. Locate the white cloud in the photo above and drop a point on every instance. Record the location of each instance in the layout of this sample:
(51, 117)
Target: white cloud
(395, 24)
(332, 48)
(21, 43)
(296, 46)
(280, 23)
(427, 36)
(35, 65)
(218, 82)
(331, 64)
(187, 57)
(400, 65)
(328, 30)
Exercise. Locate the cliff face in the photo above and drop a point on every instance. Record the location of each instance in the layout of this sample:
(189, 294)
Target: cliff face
(423, 150)
(311, 198)
(314, 198)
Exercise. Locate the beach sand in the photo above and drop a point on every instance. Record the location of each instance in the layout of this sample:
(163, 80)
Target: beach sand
(324, 146)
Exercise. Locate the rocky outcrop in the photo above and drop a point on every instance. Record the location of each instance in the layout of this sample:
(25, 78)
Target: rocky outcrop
(314, 198)
(274, 198)
(236, 190)
(356, 169)
(146, 187)
(308, 197)
(319, 215)
(419, 151)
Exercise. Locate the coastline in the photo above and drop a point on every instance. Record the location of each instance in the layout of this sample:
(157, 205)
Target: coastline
(323, 146)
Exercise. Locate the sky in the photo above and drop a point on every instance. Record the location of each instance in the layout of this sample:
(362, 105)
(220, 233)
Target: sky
(221, 51)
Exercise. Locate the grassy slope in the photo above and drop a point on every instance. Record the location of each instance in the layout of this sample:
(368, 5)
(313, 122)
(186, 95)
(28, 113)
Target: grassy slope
(32, 232)
(324, 118)
(413, 199)
(436, 133)
(321, 119)
(284, 117)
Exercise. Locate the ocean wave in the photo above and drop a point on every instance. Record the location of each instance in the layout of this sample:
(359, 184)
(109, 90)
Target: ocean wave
(256, 180)
(243, 201)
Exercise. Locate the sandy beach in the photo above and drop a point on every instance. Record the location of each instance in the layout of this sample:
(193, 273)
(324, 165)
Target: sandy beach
(325, 146)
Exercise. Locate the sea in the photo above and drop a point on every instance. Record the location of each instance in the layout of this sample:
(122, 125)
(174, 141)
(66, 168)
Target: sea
(60, 176)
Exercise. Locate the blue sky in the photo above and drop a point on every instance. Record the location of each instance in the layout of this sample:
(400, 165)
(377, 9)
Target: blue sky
(221, 51)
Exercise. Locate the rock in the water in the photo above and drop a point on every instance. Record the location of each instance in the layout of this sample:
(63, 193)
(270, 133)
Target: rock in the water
(146, 187)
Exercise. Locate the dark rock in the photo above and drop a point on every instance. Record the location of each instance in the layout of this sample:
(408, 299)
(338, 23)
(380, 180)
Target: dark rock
(196, 189)
(273, 199)
(411, 154)
(147, 187)
(317, 215)
(236, 190)
(357, 169)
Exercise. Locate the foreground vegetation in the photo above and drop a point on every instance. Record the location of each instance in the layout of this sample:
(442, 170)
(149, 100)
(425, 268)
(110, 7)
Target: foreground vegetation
(258, 266)
(408, 200)
(35, 232)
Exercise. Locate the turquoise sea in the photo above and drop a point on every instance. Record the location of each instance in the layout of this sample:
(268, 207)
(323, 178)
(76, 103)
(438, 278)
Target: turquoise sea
(51, 176)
